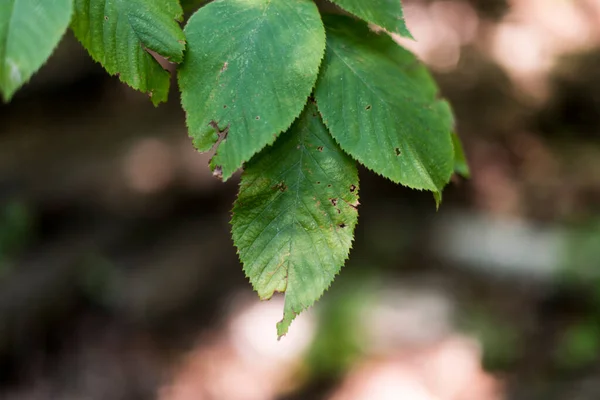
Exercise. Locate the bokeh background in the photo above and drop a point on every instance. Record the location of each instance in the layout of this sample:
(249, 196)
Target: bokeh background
(119, 280)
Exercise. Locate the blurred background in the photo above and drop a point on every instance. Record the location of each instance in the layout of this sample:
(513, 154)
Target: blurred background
(119, 280)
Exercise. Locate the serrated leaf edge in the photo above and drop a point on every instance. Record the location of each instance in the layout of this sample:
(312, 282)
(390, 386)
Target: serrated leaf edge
(150, 93)
(346, 256)
(409, 36)
(274, 135)
(357, 159)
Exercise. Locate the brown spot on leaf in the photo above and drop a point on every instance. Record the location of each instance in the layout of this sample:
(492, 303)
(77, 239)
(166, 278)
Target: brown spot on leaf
(221, 132)
(281, 186)
(368, 107)
(342, 225)
(320, 148)
(352, 188)
(218, 172)
(224, 67)
(334, 202)
(398, 151)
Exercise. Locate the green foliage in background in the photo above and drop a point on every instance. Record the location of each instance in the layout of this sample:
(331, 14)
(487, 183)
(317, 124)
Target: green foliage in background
(579, 345)
(579, 342)
(295, 97)
(501, 341)
(342, 332)
(16, 230)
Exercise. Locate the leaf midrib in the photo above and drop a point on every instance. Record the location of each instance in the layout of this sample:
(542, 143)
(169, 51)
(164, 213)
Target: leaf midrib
(296, 204)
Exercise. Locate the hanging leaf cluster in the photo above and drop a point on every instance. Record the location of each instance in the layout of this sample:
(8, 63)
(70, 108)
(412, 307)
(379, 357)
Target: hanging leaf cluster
(294, 96)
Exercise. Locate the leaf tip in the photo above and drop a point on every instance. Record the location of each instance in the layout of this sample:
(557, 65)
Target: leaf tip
(283, 326)
(154, 99)
(6, 96)
(437, 196)
(404, 32)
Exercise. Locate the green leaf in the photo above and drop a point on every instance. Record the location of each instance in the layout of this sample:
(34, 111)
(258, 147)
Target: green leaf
(249, 68)
(380, 104)
(29, 32)
(461, 167)
(387, 14)
(119, 33)
(294, 218)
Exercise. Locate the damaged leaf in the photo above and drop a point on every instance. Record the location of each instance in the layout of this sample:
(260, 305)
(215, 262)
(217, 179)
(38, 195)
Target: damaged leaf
(380, 105)
(250, 65)
(292, 234)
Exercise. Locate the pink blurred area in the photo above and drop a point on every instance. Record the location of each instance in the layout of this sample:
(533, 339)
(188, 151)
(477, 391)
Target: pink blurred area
(448, 370)
(244, 361)
(526, 42)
